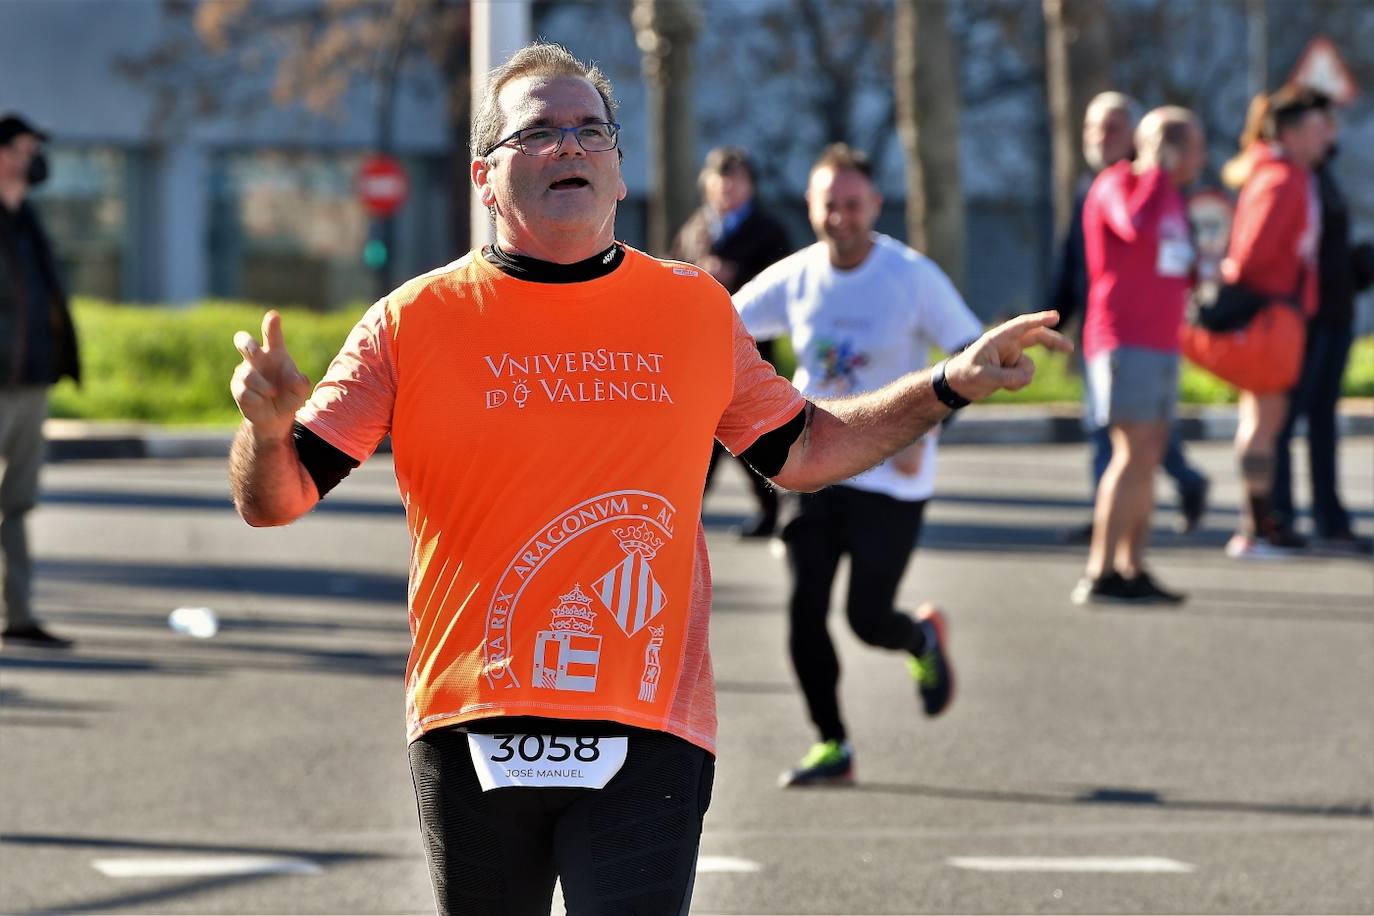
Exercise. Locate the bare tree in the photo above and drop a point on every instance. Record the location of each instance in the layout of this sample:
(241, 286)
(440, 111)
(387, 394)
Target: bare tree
(928, 109)
(1077, 67)
(809, 72)
(235, 56)
(665, 31)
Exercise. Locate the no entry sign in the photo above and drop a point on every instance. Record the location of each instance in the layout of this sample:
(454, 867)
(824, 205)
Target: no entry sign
(382, 185)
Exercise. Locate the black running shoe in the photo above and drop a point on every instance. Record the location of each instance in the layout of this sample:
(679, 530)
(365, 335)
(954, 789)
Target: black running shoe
(828, 763)
(1148, 591)
(1345, 543)
(1108, 588)
(35, 636)
(931, 670)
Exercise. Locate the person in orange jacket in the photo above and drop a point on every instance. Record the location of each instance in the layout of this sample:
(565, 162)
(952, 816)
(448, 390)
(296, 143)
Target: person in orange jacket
(1273, 251)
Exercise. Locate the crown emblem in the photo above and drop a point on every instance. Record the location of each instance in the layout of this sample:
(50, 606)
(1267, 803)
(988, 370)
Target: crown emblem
(638, 539)
(574, 611)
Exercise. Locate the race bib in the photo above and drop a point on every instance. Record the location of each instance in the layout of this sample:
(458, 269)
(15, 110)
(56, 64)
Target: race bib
(1175, 258)
(546, 760)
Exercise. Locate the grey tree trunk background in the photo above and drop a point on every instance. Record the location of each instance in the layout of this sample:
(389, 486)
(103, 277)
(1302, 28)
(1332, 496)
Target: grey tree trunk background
(1078, 49)
(928, 110)
(665, 31)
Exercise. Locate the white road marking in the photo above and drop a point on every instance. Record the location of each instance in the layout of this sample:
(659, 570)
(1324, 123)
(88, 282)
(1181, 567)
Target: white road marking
(192, 866)
(725, 864)
(1072, 864)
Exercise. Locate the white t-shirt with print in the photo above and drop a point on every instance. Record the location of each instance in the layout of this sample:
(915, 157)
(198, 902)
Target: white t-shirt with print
(857, 330)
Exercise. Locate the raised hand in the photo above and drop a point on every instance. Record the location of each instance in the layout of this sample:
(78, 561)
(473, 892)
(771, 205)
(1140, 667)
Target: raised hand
(267, 386)
(998, 359)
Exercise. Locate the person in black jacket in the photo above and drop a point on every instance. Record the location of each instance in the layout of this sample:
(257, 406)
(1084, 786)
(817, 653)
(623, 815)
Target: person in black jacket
(733, 239)
(1108, 130)
(1343, 272)
(37, 347)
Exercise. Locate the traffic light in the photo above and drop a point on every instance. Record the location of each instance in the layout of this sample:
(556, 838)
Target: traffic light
(375, 254)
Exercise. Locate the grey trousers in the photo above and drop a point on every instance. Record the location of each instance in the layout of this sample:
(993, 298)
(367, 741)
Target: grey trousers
(22, 412)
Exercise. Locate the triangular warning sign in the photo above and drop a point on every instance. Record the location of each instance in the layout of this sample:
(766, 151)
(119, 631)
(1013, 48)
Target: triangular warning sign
(1322, 68)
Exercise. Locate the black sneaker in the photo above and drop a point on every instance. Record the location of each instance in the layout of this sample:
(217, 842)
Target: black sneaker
(35, 636)
(1108, 588)
(1193, 505)
(1346, 544)
(1148, 591)
(931, 670)
(1285, 538)
(828, 763)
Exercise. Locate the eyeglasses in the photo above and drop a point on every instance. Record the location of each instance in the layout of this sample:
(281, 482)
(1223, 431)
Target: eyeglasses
(593, 137)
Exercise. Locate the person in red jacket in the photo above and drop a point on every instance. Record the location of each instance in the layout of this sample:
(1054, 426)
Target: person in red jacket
(1140, 266)
(1273, 251)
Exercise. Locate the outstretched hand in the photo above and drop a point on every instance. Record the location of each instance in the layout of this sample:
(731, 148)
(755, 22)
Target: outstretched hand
(998, 360)
(267, 386)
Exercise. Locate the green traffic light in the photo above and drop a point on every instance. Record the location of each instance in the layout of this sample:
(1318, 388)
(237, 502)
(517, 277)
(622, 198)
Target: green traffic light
(374, 253)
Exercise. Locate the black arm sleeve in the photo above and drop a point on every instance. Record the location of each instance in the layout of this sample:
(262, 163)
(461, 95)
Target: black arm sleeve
(769, 452)
(325, 464)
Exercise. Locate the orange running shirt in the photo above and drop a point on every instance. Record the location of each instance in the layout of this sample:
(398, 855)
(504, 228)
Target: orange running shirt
(550, 444)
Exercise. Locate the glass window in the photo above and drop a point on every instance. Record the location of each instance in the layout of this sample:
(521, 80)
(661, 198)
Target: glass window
(83, 208)
(286, 229)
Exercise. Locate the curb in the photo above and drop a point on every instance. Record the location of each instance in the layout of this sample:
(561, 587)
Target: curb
(78, 440)
(997, 425)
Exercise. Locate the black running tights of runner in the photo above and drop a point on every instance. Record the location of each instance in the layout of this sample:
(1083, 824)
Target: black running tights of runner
(878, 533)
(630, 848)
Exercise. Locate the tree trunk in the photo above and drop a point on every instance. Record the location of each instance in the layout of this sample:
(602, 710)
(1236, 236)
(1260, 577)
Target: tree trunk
(1077, 67)
(928, 120)
(455, 63)
(665, 31)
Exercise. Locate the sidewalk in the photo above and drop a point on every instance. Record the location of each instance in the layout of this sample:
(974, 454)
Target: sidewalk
(74, 440)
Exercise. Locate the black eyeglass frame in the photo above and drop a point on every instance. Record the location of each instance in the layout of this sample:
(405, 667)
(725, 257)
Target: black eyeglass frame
(562, 137)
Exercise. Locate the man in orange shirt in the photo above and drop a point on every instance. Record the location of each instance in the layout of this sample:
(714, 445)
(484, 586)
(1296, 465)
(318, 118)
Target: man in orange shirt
(559, 699)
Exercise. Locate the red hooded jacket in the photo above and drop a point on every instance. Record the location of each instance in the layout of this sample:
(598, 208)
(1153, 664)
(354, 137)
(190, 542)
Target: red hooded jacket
(1273, 248)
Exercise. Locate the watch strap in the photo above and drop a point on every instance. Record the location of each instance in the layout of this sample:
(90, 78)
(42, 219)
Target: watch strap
(945, 394)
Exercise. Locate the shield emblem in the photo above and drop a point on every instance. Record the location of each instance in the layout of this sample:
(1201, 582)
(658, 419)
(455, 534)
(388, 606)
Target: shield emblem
(630, 593)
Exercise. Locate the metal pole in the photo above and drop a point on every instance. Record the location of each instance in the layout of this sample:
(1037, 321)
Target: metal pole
(386, 129)
(499, 29)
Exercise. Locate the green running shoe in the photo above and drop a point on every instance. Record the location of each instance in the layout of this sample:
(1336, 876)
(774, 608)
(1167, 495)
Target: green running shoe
(931, 669)
(829, 763)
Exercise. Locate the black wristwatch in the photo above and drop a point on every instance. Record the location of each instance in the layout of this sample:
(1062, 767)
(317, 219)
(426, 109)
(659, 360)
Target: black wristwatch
(947, 395)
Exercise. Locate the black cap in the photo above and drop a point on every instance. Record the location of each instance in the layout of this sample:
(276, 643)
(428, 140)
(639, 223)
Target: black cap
(13, 125)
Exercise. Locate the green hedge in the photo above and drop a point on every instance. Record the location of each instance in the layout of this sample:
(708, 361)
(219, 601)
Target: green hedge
(167, 365)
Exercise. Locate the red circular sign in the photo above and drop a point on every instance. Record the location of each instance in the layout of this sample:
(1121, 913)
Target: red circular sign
(382, 185)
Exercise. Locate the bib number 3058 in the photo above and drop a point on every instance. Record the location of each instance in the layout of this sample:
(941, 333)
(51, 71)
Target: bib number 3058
(546, 760)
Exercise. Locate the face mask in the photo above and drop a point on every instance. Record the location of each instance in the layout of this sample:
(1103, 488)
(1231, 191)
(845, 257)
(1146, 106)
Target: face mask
(38, 170)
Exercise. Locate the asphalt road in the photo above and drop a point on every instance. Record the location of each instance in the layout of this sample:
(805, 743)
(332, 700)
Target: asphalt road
(1213, 759)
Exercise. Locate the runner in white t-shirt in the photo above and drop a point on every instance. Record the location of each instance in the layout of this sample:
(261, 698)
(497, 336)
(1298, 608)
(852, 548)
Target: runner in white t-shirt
(862, 309)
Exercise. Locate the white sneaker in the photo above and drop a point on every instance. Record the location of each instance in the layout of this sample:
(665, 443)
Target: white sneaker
(1245, 547)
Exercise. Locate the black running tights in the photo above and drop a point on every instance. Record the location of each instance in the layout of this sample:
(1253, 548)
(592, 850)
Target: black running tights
(630, 848)
(879, 534)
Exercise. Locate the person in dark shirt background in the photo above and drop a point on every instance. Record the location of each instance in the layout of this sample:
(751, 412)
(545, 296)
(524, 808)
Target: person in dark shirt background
(1344, 272)
(37, 347)
(732, 238)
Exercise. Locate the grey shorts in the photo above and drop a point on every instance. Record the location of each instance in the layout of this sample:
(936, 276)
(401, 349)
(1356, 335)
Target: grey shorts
(1131, 385)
